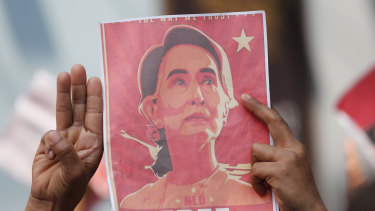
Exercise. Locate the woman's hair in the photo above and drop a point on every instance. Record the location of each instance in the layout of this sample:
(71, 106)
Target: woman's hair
(162, 164)
(148, 73)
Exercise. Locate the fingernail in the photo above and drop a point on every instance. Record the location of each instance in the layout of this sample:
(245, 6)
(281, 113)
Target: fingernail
(54, 137)
(246, 97)
(51, 155)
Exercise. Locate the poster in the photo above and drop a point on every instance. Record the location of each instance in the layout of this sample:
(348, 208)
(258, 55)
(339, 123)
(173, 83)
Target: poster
(176, 136)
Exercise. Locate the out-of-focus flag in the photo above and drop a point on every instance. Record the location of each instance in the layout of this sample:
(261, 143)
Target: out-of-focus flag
(33, 115)
(356, 112)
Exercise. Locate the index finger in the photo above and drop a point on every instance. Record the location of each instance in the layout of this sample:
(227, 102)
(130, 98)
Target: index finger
(280, 132)
(63, 102)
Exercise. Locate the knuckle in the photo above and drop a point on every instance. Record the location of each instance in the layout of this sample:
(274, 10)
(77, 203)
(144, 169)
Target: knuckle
(63, 108)
(254, 168)
(254, 147)
(291, 157)
(283, 169)
(63, 148)
(257, 110)
(45, 137)
(273, 116)
(301, 151)
(81, 100)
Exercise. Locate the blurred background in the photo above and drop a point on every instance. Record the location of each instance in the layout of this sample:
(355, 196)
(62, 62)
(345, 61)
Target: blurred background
(317, 50)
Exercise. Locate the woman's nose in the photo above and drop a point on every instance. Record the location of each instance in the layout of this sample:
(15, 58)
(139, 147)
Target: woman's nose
(197, 96)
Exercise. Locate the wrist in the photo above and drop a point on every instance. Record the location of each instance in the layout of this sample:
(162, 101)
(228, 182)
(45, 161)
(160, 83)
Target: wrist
(320, 206)
(316, 205)
(38, 204)
(45, 205)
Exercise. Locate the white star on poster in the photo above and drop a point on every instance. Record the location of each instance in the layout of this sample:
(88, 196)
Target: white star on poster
(243, 41)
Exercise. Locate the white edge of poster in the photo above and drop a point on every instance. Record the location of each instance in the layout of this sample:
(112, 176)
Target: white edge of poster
(104, 94)
(275, 205)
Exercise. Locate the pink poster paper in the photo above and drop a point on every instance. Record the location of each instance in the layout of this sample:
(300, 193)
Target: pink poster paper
(176, 137)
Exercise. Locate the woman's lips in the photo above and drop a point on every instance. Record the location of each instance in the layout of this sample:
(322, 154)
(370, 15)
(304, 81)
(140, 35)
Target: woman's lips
(196, 117)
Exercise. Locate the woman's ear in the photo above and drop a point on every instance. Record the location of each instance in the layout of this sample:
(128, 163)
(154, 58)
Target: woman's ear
(150, 110)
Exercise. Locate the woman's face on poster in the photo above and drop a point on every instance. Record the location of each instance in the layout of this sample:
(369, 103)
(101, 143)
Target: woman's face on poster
(190, 96)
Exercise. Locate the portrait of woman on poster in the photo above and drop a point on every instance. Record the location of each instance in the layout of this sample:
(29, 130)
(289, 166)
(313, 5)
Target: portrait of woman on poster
(186, 95)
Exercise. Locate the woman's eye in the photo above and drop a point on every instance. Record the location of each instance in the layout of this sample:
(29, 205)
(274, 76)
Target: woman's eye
(208, 82)
(180, 82)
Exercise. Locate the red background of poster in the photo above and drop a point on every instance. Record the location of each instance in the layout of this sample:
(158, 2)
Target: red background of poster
(126, 42)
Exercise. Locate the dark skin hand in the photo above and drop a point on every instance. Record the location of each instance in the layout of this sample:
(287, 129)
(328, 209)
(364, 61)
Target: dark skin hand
(285, 167)
(67, 157)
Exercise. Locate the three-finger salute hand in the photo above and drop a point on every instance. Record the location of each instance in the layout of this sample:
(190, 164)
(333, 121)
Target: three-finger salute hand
(68, 157)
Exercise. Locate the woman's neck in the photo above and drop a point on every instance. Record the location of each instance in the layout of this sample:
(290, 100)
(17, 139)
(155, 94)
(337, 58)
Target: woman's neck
(193, 163)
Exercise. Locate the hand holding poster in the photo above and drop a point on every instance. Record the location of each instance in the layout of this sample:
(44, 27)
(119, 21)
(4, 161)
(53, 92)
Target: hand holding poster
(176, 136)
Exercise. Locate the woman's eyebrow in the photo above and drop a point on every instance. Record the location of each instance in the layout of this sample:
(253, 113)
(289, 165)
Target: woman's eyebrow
(207, 70)
(176, 71)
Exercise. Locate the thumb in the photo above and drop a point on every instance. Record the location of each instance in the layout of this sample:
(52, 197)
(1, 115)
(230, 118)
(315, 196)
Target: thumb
(64, 151)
